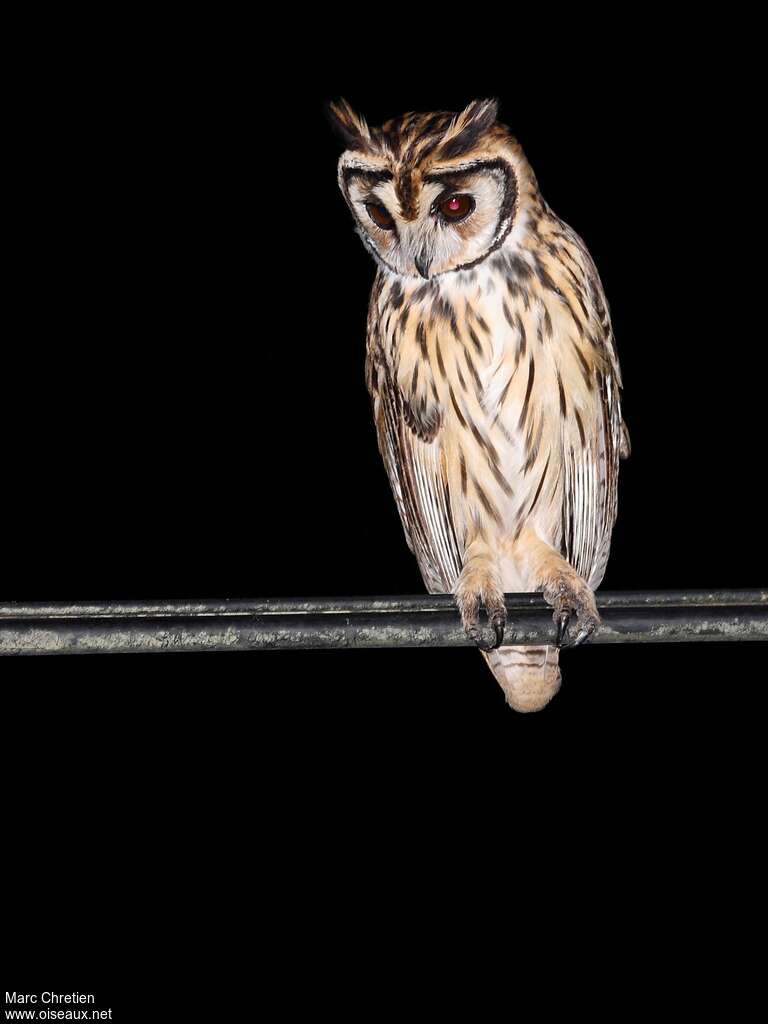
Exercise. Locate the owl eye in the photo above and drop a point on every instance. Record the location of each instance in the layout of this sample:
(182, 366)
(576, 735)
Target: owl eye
(380, 216)
(456, 208)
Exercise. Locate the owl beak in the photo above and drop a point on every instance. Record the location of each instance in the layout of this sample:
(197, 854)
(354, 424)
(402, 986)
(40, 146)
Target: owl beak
(422, 262)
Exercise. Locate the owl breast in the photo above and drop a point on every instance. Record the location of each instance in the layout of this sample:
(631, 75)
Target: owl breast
(503, 371)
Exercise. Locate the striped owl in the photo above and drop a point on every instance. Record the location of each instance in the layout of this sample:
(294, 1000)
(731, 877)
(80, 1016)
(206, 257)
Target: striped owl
(493, 374)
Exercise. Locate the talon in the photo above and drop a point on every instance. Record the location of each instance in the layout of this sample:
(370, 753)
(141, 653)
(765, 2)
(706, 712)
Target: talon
(478, 589)
(562, 620)
(498, 629)
(499, 621)
(572, 599)
(585, 632)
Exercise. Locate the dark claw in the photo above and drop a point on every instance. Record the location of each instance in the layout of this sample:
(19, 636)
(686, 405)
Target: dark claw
(499, 621)
(498, 629)
(562, 621)
(572, 600)
(584, 633)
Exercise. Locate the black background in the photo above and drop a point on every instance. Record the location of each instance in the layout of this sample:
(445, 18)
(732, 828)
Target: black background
(184, 414)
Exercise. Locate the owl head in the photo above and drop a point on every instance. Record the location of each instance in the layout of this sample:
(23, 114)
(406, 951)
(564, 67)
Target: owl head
(432, 193)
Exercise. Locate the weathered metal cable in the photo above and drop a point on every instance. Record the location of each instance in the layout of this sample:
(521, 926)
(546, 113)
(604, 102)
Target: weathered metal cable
(297, 624)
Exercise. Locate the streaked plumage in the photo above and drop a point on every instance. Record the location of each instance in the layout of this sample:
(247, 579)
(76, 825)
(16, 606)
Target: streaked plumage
(493, 374)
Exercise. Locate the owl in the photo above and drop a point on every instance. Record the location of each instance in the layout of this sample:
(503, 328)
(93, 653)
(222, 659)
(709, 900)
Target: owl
(493, 374)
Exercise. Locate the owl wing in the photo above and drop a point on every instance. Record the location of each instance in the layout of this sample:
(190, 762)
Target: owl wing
(591, 465)
(410, 445)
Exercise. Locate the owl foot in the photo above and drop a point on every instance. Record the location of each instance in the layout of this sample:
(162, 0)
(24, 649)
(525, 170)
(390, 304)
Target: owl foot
(570, 598)
(472, 591)
(497, 619)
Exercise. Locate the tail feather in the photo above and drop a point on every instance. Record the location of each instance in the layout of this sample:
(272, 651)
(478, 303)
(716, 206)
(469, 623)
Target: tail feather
(529, 676)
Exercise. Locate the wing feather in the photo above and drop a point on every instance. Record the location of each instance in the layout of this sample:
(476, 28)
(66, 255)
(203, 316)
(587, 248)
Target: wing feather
(417, 473)
(590, 491)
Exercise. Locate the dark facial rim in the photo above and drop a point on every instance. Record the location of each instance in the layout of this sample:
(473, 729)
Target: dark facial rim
(508, 203)
(508, 208)
(371, 176)
(448, 178)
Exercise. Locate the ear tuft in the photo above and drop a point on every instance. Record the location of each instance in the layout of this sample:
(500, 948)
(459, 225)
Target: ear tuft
(467, 127)
(348, 125)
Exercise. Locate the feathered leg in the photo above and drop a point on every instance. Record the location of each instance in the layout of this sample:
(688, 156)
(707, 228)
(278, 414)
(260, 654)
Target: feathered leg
(543, 568)
(480, 583)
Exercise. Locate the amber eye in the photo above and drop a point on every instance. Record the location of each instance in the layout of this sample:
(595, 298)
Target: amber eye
(456, 208)
(380, 216)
